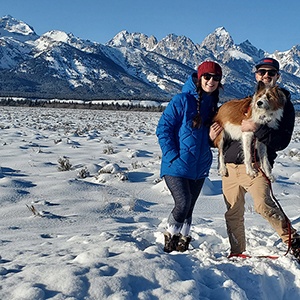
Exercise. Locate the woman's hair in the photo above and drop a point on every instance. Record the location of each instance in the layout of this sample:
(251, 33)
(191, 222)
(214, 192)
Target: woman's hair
(197, 121)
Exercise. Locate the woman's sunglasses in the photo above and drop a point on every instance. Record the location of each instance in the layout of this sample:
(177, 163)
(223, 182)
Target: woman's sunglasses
(208, 76)
(262, 72)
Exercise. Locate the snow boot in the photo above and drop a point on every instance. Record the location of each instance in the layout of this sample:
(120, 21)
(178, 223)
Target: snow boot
(295, 248)
(183, 243)
(171, 242)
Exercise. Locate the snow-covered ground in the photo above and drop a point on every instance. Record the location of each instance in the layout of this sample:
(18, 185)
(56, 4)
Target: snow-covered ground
(82, 212)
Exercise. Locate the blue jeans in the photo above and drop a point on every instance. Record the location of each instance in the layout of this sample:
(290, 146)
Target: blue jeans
(185, 193)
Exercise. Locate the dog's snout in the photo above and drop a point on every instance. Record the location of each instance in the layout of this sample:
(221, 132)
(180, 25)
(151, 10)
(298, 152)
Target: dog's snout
(259, 103)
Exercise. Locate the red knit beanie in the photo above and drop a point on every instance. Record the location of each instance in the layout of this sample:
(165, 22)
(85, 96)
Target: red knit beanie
(209, 67)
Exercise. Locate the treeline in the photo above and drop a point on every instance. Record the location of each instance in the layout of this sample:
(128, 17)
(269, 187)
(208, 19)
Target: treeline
(85, 105)
(78, 105)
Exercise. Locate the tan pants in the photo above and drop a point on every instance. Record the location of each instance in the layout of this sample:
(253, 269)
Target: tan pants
(235, 186)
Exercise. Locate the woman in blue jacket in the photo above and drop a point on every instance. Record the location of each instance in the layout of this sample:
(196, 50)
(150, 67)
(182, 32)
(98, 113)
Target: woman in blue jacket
(184, 133)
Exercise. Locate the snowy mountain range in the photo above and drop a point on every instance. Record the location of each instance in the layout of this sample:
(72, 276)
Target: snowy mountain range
(129, 66)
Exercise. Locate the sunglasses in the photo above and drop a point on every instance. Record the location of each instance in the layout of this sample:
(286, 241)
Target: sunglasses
(262, 72)
(207, 76)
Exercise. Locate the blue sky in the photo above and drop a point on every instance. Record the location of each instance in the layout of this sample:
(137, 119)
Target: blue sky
(270, 25)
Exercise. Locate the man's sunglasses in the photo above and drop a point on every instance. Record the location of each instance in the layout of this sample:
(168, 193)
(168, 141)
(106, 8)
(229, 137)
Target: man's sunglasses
(262, 72)
(208, 76)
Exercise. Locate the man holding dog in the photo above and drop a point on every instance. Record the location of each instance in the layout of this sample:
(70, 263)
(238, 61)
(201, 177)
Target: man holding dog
(237, 183)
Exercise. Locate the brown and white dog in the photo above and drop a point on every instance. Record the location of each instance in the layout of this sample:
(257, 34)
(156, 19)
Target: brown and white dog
(265, 107)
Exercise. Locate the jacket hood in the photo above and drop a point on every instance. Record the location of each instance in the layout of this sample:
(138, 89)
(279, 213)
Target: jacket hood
(190, 85)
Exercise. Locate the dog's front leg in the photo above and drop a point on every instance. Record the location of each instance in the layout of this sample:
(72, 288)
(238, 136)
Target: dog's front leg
(246, 143)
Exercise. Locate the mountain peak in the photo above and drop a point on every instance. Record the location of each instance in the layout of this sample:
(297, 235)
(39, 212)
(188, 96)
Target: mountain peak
(57, 35)
(218, 41)
(12, 27)
(221, 30)
(136, 39)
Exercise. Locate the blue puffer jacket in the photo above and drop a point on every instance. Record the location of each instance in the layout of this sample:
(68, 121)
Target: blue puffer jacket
(186, 150)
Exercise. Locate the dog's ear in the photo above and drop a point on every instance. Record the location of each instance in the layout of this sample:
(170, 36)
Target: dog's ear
(260, 86)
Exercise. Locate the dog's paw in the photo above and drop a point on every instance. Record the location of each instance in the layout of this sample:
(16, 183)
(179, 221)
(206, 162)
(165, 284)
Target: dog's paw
(268, 174)
(223, 171)
(251, 172)
(272, 178)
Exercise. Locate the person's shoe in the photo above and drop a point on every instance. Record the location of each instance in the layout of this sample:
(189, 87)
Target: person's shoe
(295, 248)
(183, 243)
(171, 242)
(240, 255)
